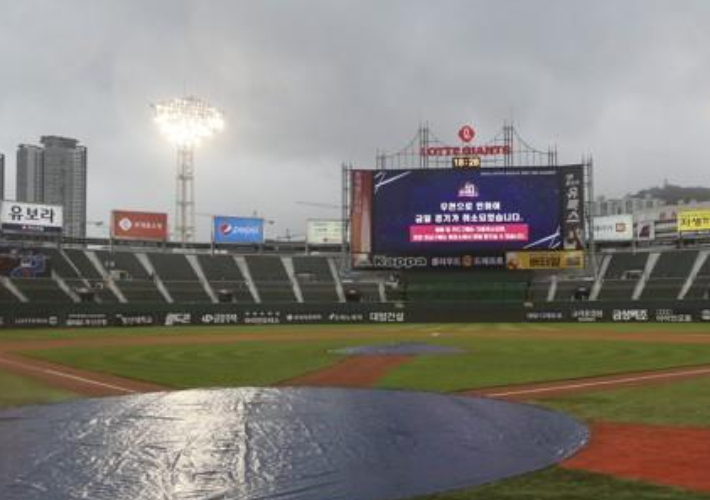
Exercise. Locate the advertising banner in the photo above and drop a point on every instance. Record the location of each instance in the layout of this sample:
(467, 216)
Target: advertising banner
(30, 217)
(324, 232)
(132, 225)
(244, 230)
(24, 264)
(361, 183)
(573, 259)
(693, 221)
(573, 208)
(614, 228)
(645, 230)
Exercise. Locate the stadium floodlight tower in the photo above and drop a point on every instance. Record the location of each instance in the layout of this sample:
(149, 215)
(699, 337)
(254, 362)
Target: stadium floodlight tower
(186, 122)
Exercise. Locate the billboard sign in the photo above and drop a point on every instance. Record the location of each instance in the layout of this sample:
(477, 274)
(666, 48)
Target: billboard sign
(24, 217)
(244, 230)
(544, 260)
(691, 221)
(455, 213)
(132, 225)
(573, 208)
(24, 264)
(324, 232)
(614, 228)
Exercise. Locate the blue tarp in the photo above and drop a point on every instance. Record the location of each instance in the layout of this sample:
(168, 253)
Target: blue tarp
(401, 348)
(268, 443)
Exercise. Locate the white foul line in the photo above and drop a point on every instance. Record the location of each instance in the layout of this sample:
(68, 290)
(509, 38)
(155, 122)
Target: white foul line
(66, 375)
(600, 382)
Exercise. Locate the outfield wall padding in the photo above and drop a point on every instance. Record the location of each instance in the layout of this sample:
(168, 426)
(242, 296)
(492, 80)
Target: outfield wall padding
(97, 315)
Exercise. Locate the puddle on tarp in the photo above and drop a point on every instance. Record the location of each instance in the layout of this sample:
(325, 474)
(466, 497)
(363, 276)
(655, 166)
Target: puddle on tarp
(268, 443)
(399, 348)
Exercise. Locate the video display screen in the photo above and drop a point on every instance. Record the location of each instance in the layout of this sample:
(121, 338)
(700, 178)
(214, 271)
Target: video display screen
(437, 213)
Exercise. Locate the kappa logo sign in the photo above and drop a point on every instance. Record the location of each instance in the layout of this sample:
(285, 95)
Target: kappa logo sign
(387, 262)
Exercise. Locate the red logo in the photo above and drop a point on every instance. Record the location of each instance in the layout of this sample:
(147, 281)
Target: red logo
(466, 133)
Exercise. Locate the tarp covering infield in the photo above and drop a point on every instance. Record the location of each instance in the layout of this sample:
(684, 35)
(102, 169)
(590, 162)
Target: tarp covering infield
(267, 443)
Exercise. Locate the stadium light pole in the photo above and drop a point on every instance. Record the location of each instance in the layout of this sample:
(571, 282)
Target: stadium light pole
(186, 122)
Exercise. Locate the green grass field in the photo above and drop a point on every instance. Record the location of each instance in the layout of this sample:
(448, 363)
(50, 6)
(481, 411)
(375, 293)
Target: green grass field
(17, 391)
(487, 362)
(496, 354)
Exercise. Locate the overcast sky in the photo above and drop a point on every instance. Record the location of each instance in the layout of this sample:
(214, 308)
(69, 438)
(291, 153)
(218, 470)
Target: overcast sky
(306, 85)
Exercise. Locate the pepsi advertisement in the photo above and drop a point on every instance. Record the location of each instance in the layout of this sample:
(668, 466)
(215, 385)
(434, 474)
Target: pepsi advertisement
(238, 230)
(460, 214)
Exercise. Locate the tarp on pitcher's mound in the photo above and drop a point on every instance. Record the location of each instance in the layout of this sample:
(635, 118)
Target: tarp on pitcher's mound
(263, 443)
(398, 348)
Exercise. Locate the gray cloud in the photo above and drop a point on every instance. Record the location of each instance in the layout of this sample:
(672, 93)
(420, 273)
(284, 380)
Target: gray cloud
(306, 85)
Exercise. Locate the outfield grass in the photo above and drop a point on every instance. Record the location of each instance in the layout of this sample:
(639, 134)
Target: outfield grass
(344, 330)
(562, 484)
(685, 403)
(18, 391)
(491, 362)
(200, 365)
(487, 361)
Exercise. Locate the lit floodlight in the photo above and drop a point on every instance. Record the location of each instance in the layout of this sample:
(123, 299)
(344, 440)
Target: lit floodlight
(185, 122)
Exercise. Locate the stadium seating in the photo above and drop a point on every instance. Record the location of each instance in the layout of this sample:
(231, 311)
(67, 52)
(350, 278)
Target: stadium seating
(179, 278)
(622, 275)
(362, 291)
(225, 277)
(204, 278)
(134, 281)
(315, 279)
(95, 283)
(82, 263)
(669, 275)
(43, 290)
(270, 278)
(7, 296)
(538, 290)
(573, 289)
(60, 264)
(700, 289)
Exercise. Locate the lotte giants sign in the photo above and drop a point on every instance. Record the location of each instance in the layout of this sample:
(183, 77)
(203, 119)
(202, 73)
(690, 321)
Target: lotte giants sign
(466, 134)
(139, 225)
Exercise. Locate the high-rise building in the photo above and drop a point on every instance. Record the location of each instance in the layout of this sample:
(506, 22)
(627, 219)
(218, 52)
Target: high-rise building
(30, 173)
(2, 176)
(55, 173)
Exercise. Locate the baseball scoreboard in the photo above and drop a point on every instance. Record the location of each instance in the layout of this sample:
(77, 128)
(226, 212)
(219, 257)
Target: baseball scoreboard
(465, 218)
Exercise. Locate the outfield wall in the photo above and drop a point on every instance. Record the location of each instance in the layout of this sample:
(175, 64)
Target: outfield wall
(97, 315)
